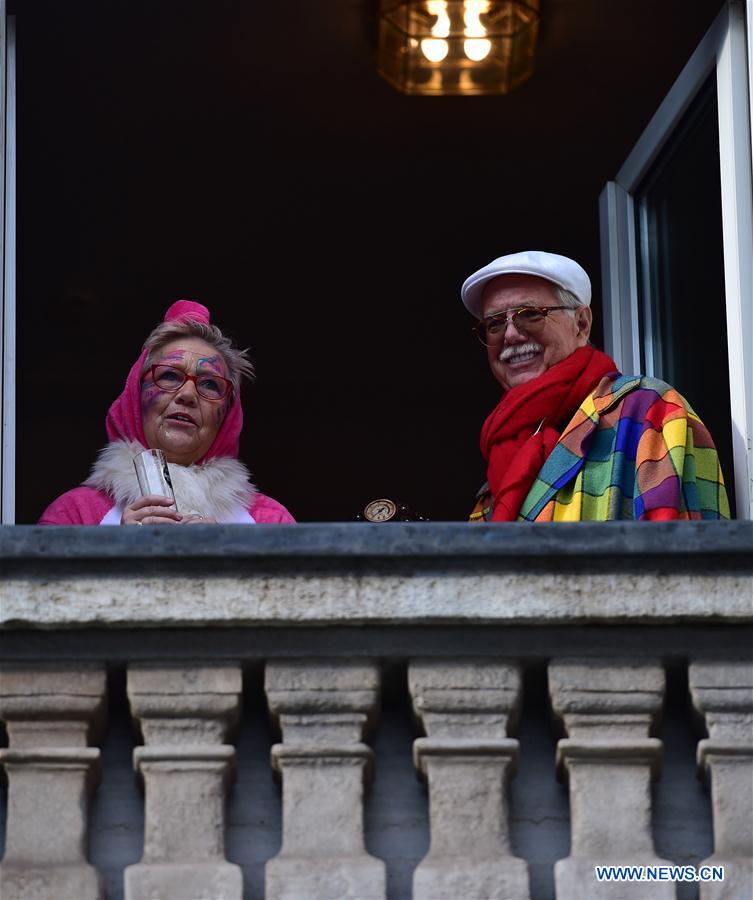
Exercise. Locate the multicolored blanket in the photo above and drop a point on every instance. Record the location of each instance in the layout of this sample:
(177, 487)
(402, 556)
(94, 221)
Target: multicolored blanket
(634, 450)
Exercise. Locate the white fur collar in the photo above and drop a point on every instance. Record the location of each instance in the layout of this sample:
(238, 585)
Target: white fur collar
(215, 488)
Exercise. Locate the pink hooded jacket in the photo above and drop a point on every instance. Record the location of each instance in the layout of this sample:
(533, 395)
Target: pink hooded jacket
(88, 506)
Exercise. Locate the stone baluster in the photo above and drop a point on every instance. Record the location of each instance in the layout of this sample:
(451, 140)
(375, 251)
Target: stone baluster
(184, 713)
(608, 706)
(722, 692)
(467, 759)
(50, 711)
(322, 709)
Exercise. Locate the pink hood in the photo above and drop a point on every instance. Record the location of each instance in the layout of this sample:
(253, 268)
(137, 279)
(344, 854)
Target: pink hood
(124, 417)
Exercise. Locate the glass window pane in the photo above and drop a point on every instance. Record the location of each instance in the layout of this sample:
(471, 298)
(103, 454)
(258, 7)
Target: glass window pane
(681, 271)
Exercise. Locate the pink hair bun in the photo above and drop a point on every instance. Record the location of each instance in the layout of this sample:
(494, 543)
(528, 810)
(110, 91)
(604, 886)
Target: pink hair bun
(184, 310)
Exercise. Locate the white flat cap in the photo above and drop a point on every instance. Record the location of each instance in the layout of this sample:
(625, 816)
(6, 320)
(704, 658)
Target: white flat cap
(560, 270)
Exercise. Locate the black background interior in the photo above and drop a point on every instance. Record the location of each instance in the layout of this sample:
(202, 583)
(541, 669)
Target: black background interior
(247, 155)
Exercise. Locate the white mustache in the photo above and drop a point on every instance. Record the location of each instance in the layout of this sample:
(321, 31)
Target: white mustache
(519, 350)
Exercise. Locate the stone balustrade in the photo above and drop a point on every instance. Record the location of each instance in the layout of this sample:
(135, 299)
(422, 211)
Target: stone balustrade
(50, 711)
(184, 713)
(722, 692)
(323, 709)
(607, 707)
(374, 649)
(467, 760)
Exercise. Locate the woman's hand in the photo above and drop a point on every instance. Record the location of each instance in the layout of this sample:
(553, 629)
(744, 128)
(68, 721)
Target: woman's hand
(151, 509)
(197, 519)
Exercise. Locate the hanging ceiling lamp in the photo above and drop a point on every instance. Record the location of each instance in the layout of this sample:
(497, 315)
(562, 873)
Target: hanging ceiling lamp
(457, 46)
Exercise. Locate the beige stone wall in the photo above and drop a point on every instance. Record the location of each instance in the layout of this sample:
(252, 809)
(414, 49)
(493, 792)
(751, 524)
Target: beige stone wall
(322, 633)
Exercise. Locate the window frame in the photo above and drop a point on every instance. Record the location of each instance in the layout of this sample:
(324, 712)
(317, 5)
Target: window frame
(722, 51)
(7, 266)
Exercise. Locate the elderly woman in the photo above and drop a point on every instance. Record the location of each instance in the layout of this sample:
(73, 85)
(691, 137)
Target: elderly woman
(182, 396)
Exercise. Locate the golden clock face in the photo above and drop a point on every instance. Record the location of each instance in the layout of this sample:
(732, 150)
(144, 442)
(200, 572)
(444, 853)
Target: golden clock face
(379, 510)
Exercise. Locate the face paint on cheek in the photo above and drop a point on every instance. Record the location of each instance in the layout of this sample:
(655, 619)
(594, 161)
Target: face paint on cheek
(149, 395)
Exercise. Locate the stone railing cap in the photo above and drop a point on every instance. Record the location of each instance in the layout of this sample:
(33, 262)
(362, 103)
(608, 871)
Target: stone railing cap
(589, 540)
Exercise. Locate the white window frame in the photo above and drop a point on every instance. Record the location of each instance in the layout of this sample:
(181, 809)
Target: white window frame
(7, 266)
(723, 49)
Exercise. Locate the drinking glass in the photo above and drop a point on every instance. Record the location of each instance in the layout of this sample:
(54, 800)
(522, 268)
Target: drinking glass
(153, 475)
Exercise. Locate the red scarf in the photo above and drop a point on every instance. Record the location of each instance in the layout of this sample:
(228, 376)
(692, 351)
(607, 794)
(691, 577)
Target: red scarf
(525, 425)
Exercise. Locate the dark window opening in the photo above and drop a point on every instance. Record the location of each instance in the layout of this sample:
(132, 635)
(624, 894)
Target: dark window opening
(169, 151)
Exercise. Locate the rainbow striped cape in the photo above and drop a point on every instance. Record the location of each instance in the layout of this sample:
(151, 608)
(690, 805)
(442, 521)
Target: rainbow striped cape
(634, 450)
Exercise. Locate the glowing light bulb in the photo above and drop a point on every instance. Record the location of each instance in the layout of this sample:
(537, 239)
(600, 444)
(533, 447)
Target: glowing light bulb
(476, 46)
(434, 48)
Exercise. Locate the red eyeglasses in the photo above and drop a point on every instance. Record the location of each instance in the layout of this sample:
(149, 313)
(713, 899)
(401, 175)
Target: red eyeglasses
(208, 385)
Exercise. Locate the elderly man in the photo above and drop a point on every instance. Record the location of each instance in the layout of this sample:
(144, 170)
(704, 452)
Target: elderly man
(572, 438)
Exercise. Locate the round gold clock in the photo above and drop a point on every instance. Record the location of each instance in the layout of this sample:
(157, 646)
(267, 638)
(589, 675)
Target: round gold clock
(380, 511)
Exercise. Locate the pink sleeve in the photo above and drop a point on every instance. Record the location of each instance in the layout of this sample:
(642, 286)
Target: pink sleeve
(81, 506)
(267, 511)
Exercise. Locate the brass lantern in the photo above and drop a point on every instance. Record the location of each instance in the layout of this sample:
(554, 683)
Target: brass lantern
(439, 47)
